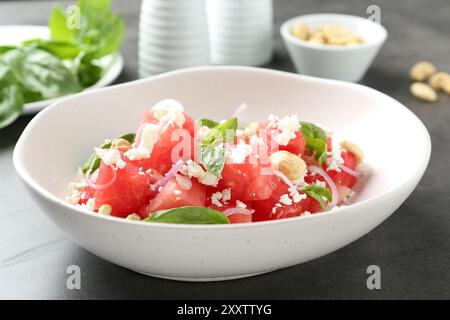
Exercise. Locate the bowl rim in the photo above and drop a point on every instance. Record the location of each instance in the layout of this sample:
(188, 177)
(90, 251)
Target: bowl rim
(40, 190)
(289, 37)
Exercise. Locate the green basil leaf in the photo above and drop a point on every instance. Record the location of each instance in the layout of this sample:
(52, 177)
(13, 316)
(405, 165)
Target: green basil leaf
(225, 131)
(93, 162)
(188, 215)
(208, 123)
(100, 33)
(316, 140)
(42, 72)
(11, 98)
(59, 28)
(318, 193)
(212, 158)
(88, 73)
(60, 49)
(4, 49)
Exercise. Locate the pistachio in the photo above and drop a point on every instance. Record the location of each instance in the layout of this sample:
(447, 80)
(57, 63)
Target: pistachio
(120, 144)
(133, 216)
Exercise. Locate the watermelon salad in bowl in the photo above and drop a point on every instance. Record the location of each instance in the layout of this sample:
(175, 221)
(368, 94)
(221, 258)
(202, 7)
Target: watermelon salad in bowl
(175, 169)
(191, 188)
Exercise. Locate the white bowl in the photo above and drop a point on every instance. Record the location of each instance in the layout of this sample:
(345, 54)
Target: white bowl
(60, 138)
(348, 63)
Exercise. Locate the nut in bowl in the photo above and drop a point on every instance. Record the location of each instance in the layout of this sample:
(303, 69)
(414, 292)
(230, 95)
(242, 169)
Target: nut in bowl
(333, 46)
(197, 252)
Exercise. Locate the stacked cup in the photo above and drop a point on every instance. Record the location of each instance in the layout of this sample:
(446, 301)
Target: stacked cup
(240, 31)
(173, 34)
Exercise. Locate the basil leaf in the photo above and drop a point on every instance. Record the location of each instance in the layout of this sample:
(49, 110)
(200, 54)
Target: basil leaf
(188, 215)
(212, 158)
(224, 131)
(318, 193)
(316, 140)
(93, 162)
(42, 72)
(60, 49)
(212, 155)
(100, 33)
(59, 28)
(11, 99)
(88, 73)
(4, 49)
(208, 123)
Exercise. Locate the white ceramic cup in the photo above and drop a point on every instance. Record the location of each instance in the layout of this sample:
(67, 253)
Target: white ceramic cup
(173, 34)
(240, 31)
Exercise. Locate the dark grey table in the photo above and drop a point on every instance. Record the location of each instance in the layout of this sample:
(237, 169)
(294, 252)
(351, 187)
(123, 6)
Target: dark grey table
(412, 248)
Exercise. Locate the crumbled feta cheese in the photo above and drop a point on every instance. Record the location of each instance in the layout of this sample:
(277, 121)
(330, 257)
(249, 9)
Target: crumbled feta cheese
(284, 137)
(295, 195)
(193, 169)
(306, 213)
(150, 133)
(240, 152)
(240, 204)
(177, 192)
(74, 196)
(256, 141)
(169, 111)
(215, 199)
(272, 121)
(208, 179)
(284, 199)
(112, 157)
(320, 183)
(334, 160)
(288, 127)
(226, 194)
(90, 204)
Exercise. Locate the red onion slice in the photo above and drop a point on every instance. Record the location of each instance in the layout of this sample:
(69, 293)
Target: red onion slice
(239, 110)
(350, 171)
(285, 179)
(103, 186)
(330, 182)
(231, 211)
(169, 175)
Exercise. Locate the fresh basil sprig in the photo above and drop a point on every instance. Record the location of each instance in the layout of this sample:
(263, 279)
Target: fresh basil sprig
(11, 98)
(188, 215)
(318, 193)
(316, 140)
(93, 162)
(212, 155)
(208, 123)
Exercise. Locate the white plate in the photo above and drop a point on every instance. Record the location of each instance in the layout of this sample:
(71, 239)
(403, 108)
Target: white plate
(218, 252)
(15, 34)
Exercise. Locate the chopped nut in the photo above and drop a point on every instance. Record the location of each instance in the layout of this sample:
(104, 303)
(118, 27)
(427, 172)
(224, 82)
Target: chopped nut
(133, 216)
(105, 209)
(120, 144)
(354, 149)
(423, 92)
(300, 31)
(440, 81)
(291, 165)
(422, 71)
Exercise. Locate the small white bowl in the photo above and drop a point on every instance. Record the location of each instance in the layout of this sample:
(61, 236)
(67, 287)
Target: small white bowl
(60, 138)
(348, 63)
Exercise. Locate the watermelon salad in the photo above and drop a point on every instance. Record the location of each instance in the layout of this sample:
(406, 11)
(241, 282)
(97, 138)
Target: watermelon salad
(176, 169)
